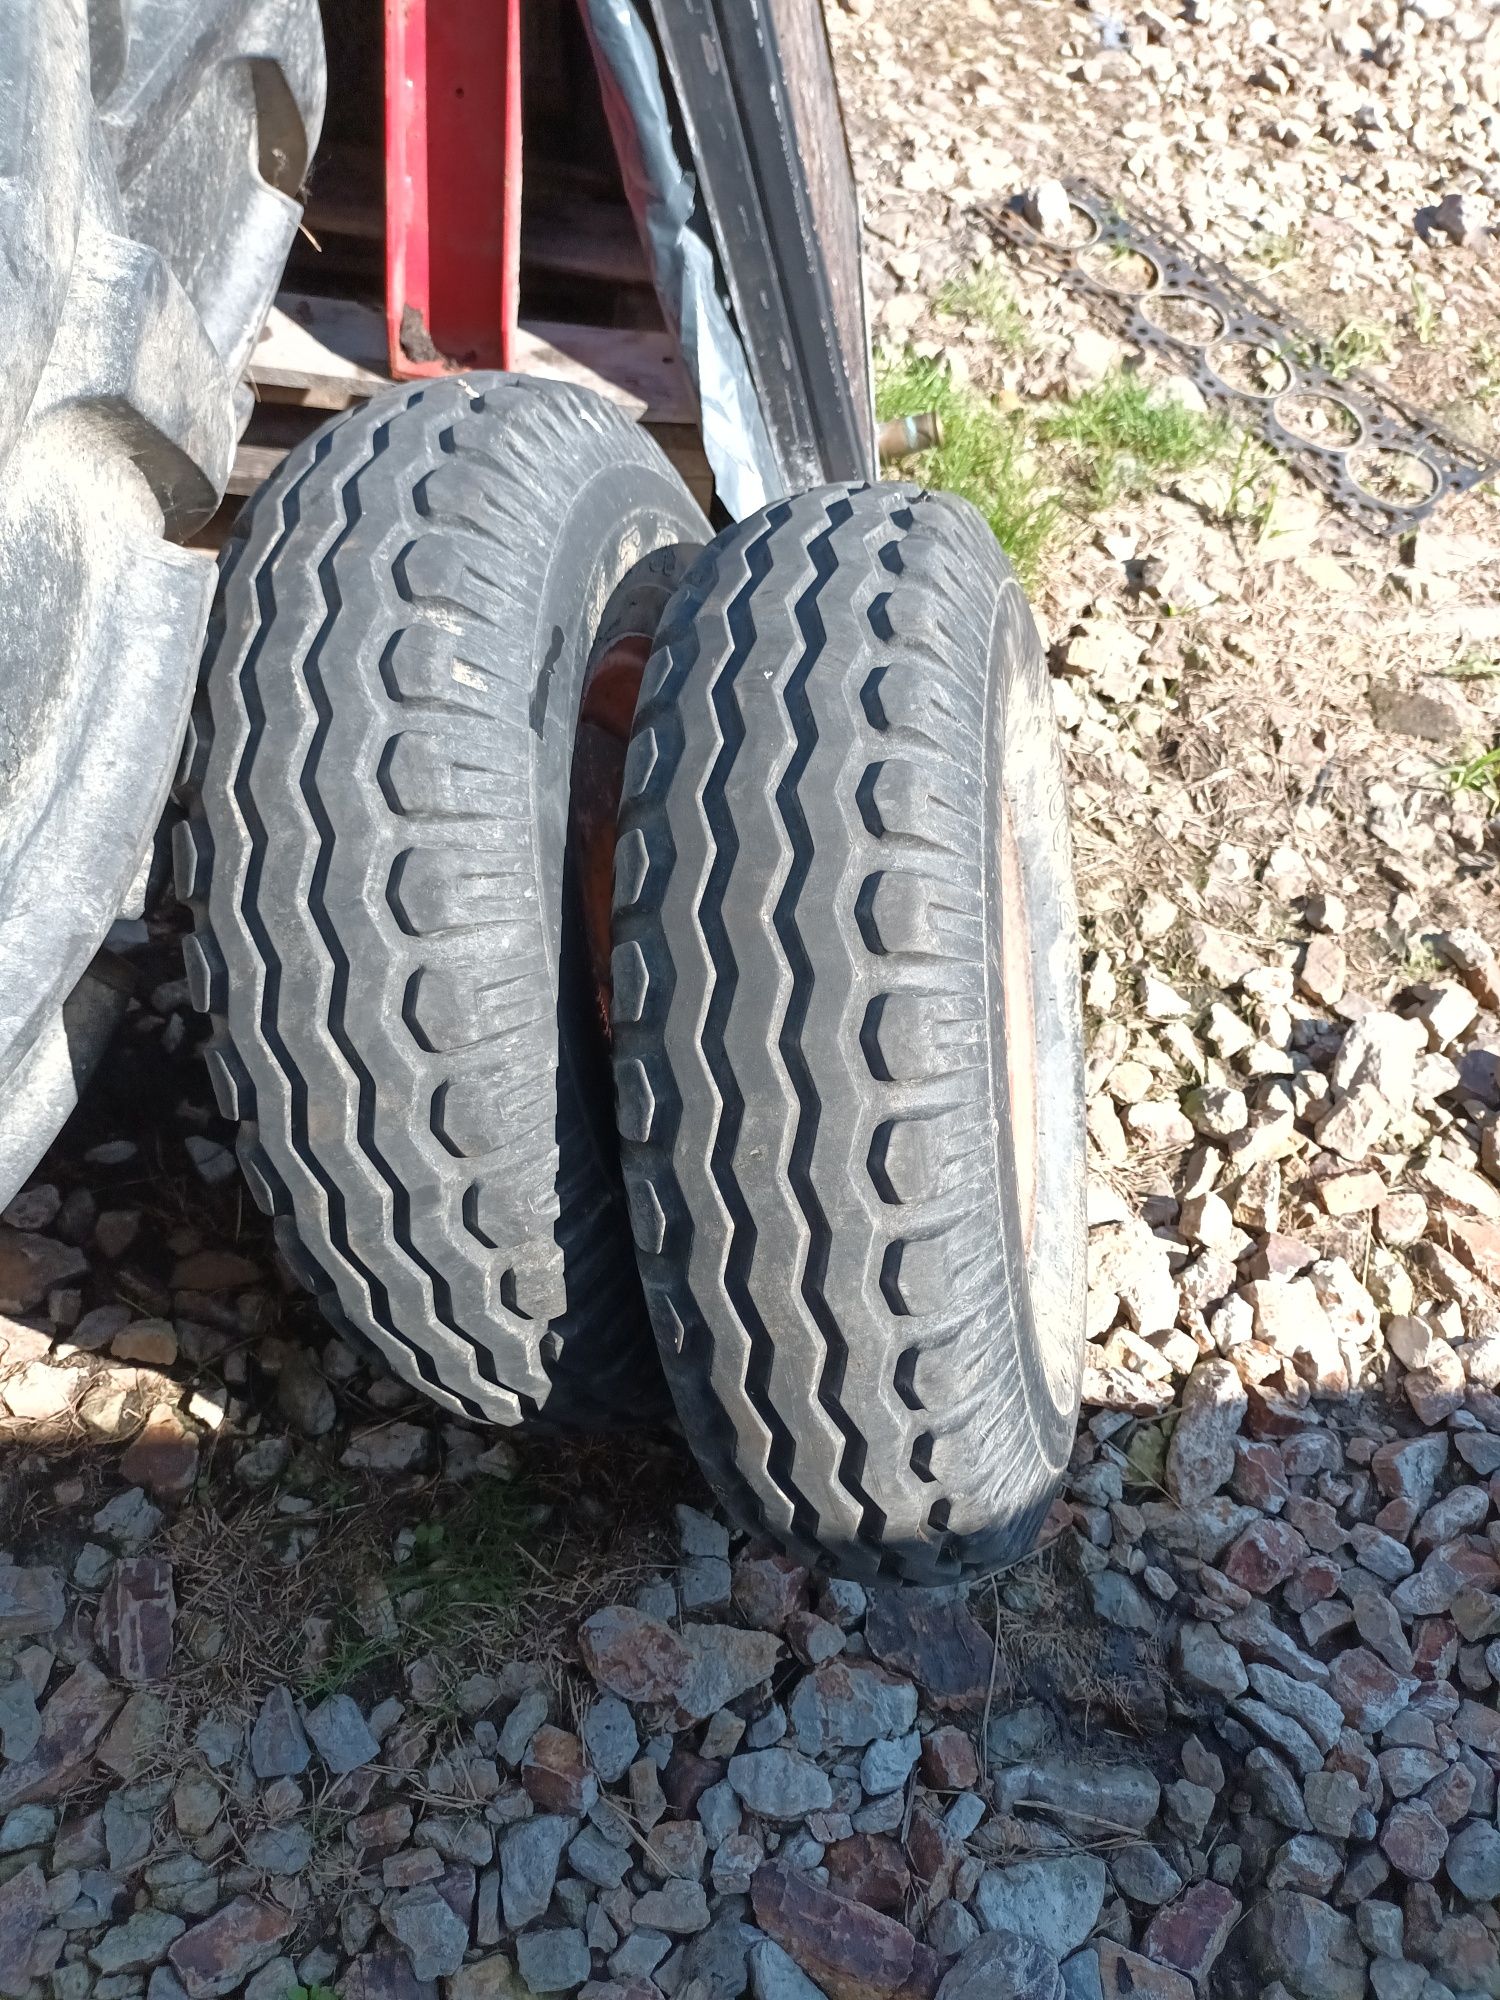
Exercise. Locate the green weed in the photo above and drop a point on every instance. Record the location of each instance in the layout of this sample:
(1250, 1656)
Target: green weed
(1277, 248)
(1480, 774)
(1421, 963)
(351, 1655)
(1254, 481)
(1484, 357)
(983, 298)
(1122, 438)
(1355, 345)
(1424, 319)
(985, 455)
(1473, 667)
(467, 1566)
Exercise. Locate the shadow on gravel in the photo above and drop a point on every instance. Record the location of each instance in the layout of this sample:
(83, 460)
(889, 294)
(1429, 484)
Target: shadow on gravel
(303, 1685)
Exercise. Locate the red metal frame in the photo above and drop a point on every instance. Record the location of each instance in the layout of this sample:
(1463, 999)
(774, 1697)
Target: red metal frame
(452, 184)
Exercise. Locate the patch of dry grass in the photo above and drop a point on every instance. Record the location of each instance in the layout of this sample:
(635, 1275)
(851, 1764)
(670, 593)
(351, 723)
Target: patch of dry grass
(1049, 1640)
(493, 1572)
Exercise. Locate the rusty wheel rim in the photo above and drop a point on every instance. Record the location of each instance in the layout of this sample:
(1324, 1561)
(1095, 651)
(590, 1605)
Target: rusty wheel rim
(605, 715)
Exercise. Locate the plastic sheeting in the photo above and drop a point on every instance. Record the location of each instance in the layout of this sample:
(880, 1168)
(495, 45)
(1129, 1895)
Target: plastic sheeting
(663, 195)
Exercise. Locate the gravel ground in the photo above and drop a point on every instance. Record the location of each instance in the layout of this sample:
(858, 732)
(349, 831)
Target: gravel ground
(302, 1687)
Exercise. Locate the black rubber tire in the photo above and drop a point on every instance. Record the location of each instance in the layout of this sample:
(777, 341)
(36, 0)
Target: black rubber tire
(140, 246)
(810, 1062)
(377, 790)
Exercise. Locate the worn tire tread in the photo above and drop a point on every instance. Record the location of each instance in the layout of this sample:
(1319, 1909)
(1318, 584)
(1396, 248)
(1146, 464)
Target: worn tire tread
(799, 868)
(429, 509)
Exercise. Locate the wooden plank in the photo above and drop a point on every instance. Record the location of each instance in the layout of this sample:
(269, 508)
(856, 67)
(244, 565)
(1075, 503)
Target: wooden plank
(330, 353)
(326, 352)
(640, 370)
(253, 465)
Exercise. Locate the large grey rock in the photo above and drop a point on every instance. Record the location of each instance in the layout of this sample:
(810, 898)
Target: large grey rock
(278, 1742)
(217, 1741)
(726, 1662)
(20, 1721)
(1003, 1966)
(1144, 1874)
(951, 1929)
(23, 1912)
(27, 1826)
(780, 1784)
(1307, 1862)
(387, 1449)
(1473, 1862)
(1081, 1977)
(457, 1837)
(529, 1858)
(719, 1813)
(432, 1935)
(1312, 1949)
(136, 1945)
(523, 1722)
(277, 1981)
(553, 1961)
(220, 1954)
(129, 1822)
(679, 1907)
(775, 1976)
(610, 1738)
(886, 1764)
(1084, 1795)
(847, 1704)
(1317, 1712)
(1275, 1790)
(128, 1521)
(1208, 1663)
(31, 1265)
(1200, 1457)
(1021, 1735)
(491, 1978)
(31, 1601)
(1285, 1734)
(597, 1860)
(1054, 1902)
(713, 1965)
(304, 1397)
(1126, 1259)
(639, 1955)
(279, 1850)
(700, 1534)
(1373, 1082)
(1121, 1602)
(340, 1734)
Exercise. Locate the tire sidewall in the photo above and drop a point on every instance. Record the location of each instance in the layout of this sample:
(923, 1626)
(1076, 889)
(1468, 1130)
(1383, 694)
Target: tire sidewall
(614, 525)
(1035, 794)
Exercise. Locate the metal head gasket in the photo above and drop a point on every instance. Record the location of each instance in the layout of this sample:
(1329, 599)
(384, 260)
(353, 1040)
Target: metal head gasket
(1383, 462)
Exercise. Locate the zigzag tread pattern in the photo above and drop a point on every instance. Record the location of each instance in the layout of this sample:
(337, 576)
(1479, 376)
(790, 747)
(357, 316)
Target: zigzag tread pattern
(845, 1320)
(373, 949)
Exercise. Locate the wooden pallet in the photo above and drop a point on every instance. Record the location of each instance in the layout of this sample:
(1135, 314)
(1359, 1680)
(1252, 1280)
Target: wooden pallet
(322, 354)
